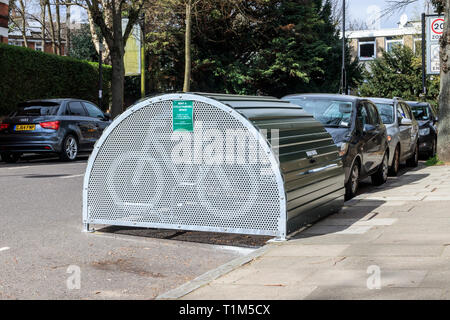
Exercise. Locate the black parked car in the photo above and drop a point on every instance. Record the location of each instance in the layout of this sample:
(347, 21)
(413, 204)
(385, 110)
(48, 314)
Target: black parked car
(357, 129)
(62, 126)
(427, 117)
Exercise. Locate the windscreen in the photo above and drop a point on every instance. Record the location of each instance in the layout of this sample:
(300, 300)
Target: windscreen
(420, 112)
(331, 113)
(386, 112)
(36, 109)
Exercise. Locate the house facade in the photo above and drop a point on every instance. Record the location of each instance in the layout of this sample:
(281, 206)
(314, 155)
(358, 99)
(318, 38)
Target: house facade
(367, 45)
(34, 38)
(4, 14)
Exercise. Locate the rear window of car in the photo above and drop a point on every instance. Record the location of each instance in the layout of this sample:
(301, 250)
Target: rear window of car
(36, 109)
(386, 112)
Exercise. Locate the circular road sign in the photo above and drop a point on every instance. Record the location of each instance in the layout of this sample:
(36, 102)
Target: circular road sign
(437, 26)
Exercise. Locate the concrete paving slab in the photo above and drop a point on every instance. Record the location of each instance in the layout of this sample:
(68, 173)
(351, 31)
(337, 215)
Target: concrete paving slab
(251, 292)
(395, 263)
(393, 250)
(413, 238)
(330, 293)
(307, 251)
(360, 277)
(337, 229)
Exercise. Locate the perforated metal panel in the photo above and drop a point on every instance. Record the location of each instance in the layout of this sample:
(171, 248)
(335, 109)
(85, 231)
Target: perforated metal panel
(135, 178)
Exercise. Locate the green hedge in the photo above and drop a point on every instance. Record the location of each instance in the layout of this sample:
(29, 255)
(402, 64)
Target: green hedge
(26, 74)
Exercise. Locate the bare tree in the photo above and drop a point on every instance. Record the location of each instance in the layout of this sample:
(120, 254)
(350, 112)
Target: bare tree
(19, 9)
(58, 26)
(68, 44)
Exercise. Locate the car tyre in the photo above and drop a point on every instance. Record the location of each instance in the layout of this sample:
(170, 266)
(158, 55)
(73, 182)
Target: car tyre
(69, 149)
(10, 157)
(351, 187)
(433, 151)
(414, 160)
(380, 176)
(393, 170)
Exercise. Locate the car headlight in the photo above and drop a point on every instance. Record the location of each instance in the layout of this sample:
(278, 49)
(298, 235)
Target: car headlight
(343, 148)
(424, 132)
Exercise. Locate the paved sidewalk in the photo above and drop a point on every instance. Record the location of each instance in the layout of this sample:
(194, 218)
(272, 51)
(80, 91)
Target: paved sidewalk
(400, 231)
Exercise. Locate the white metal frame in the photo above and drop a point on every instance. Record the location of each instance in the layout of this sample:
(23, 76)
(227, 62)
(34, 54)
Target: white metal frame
(275, 165)
(387, 42)
(374, 50)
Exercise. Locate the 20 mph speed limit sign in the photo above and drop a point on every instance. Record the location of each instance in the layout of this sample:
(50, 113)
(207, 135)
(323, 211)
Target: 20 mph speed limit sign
(435, 29)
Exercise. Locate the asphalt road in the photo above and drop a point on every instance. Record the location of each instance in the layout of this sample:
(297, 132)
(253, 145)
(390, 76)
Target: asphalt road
(42, 247)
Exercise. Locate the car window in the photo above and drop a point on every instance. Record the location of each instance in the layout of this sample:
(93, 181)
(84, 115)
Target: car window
(400, 112)
(373, 118)
(386, 112)
(75, 108)
(330, 112)
(405, 111)
(36, 109)
(93, 111)
(363, 116)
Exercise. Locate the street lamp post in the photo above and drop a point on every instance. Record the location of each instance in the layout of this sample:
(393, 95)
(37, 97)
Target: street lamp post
(100, 71)
(344, 78)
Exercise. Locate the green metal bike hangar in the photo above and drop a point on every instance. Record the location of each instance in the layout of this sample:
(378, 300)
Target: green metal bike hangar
(213, 162)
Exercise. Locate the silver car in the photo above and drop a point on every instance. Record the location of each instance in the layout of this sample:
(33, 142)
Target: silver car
(403, 132)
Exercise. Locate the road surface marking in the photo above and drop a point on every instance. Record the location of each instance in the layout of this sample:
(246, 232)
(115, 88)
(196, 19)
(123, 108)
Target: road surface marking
(72, 176)
(4, 248)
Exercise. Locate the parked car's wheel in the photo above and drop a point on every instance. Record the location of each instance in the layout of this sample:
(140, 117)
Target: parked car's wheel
(414, 160)
(351, 187)
(393, 170)
(10, 157)
(433, 150)
(69, 150)
(380, 176)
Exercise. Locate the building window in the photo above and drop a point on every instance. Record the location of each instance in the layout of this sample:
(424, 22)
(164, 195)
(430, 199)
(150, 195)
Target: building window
(366, 50)
(15, 43)
(418, 46)
(38, 46)
(392, 43)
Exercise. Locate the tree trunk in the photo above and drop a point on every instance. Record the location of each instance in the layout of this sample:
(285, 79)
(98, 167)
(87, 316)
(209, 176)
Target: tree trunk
(52, 27)
(187, 48)
(24, 23)
(58, 26)
(117, 52)
(443, 147)
(68, 6)
(117, 81)
(42, 2)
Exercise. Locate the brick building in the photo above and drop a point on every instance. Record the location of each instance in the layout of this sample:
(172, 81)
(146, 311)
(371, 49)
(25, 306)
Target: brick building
(34, 38)
(4, 14)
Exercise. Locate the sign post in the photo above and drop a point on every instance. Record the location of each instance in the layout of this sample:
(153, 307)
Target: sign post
(435, 28)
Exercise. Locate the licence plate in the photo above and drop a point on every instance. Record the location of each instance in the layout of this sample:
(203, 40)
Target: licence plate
(25, 127)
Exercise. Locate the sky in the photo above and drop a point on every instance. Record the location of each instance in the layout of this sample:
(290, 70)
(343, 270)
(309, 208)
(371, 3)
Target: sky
(365, 9)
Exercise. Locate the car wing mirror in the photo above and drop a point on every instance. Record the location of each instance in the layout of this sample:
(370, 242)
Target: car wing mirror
(107, 116)
(405, 122)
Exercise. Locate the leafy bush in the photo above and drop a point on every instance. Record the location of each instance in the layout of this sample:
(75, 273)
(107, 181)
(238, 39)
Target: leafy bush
(26, 74)
(434, 161)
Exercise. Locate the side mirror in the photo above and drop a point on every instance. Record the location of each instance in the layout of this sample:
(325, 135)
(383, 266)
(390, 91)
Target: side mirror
(107, 116)
(368, 128)
(405, 122)
(436, 119)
